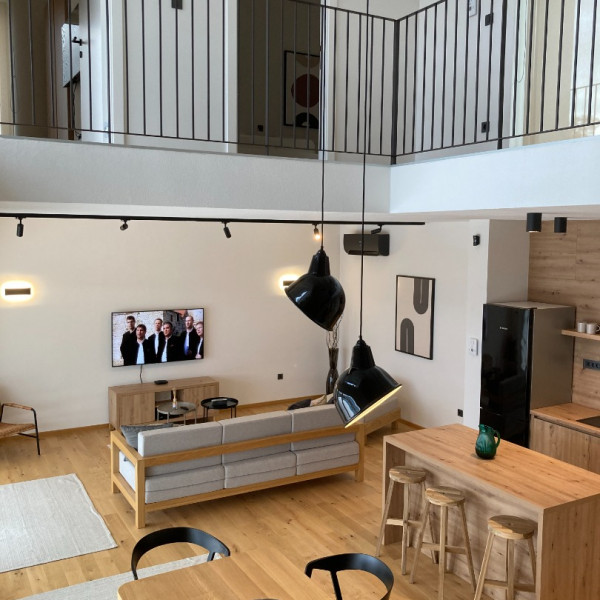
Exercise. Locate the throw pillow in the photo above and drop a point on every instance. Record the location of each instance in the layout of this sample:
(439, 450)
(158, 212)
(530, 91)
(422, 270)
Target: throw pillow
(131, 432)
(326, 399)
(300, 404)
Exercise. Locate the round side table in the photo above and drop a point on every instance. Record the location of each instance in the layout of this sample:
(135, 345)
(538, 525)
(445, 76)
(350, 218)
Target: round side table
(181, 410)
(219, 403)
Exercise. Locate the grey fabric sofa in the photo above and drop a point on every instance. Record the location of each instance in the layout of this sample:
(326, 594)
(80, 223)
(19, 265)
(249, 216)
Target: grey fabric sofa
(192, 463)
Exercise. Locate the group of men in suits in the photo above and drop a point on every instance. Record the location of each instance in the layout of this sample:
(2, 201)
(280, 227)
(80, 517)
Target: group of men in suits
(163, 345)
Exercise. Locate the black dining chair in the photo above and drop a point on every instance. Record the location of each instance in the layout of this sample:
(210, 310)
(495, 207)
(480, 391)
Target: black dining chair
(352, 561)
(173, 535)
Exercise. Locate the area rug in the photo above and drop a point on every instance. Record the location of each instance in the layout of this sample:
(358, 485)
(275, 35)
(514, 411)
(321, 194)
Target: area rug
(46, 520)
(107, 587)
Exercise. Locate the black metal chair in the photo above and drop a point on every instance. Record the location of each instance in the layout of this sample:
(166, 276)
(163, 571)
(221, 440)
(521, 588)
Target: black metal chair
(173, 535)
(356, 562)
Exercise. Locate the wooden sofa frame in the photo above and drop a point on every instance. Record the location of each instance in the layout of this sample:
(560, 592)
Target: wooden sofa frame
(136, 498)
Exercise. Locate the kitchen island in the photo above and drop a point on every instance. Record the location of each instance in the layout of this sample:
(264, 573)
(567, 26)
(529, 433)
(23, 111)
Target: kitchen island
(562, 499)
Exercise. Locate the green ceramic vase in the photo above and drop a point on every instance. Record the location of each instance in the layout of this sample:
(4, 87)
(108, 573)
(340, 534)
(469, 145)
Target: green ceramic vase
(486, 444)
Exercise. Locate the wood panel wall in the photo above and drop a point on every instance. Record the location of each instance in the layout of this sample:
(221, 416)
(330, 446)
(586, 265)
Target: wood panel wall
(565, 269)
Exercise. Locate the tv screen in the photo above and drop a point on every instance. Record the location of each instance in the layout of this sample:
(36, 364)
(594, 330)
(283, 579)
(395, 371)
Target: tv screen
(142, 337)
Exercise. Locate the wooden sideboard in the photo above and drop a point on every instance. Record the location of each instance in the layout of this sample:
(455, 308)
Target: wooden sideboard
(136, 403)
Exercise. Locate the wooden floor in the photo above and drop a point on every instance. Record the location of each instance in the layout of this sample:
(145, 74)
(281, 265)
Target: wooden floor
(302, 521)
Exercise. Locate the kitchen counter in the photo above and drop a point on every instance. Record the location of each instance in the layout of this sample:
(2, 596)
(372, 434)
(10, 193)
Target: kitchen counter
(568, 416)
(562, 499)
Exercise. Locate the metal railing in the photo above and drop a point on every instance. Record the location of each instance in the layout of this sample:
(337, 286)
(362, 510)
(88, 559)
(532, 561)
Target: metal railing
(268, 75)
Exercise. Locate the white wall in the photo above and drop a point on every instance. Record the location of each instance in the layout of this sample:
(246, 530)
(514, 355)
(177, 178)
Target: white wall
(57, 354)
(433, 390)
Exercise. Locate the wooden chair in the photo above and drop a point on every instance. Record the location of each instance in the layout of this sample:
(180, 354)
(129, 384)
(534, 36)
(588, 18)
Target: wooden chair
(356, 562)
(172, 535)
(7, 429)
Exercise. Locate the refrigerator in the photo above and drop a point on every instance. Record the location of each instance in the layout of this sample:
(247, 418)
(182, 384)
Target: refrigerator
(526, 363)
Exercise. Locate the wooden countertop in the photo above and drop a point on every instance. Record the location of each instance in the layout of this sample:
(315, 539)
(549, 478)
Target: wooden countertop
(535, 479)
(568, 415)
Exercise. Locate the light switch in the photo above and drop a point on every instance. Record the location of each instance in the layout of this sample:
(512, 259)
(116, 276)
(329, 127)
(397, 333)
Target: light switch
(473, 346)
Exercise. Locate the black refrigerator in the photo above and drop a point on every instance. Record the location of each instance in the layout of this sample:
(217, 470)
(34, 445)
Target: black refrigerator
(526, 363)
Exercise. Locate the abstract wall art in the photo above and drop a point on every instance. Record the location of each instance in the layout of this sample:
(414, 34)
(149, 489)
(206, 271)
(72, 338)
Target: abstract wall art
(414, 315)
(301, 94)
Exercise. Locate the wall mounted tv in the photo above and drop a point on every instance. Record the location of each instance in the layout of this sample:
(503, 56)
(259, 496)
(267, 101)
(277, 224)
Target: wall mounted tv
(141, 337)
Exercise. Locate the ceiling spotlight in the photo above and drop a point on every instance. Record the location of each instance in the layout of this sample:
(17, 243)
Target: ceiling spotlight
(377, 229)
(560, 224)
(124, 226)
(226, 229)
(316, 233)
(534, 222)
(20, 228)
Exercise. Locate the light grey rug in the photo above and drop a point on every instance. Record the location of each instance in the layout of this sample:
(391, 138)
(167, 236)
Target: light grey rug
(106, 588)
(46, 520)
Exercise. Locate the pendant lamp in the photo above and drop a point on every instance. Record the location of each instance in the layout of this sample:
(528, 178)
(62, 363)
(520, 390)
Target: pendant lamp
(318, 294)
(364, 386)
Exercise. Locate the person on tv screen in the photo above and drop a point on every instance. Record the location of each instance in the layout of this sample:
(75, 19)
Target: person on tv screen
(141, 351)
(157, 339)
(189, 339)
(200, 346)
(172, 346)
(128, 341)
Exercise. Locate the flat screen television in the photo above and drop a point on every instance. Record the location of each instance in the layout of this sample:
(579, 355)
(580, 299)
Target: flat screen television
(141, 337)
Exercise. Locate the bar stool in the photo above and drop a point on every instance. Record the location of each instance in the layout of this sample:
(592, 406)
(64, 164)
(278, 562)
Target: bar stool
(444, 497)
(407, 476)
(511, 529)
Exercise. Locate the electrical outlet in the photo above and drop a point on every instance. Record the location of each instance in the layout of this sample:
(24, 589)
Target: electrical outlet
(591, 364)
(459, 412)
(485, 126)
(279, 375)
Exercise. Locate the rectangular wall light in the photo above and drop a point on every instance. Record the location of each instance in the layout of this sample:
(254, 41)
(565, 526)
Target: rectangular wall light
(17, 291)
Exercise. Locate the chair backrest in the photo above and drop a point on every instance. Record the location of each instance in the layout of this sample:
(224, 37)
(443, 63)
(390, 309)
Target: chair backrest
(173, 535)
(356, 562)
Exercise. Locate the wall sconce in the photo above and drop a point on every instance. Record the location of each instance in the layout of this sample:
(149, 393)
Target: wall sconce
(287, 280)
(17, 291)
(560, 224)
(534, 222)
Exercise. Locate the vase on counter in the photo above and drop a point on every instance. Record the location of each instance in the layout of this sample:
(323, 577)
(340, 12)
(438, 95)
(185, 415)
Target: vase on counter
(486, 444)
(332, 374)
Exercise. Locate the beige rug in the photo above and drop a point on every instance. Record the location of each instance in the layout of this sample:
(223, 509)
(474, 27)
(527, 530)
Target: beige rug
(46, 520)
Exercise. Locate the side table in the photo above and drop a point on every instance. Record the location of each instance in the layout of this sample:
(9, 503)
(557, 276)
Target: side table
(181, 410)
(219, 403)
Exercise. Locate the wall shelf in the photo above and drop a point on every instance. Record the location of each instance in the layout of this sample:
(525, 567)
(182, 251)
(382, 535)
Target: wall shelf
(585, 336)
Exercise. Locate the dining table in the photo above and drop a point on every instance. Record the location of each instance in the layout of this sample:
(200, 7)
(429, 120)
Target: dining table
(257, 575)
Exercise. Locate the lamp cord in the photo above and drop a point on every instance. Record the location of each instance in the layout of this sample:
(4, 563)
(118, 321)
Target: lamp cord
(362, 229)
(322, 119)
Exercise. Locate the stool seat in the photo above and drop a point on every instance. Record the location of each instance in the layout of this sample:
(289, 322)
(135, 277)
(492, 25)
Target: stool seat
(444, 496)
(511, 528)
(407, 475)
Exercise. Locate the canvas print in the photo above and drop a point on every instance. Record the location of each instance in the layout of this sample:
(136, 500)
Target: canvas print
(301, 92)
(414, 315)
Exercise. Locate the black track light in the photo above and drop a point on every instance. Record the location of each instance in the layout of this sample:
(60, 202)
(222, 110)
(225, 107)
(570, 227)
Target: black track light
(20, 228)
(560, 224)
(124, 226)
(534, 222)
(226, 229)
(316, 233)
(377, 229)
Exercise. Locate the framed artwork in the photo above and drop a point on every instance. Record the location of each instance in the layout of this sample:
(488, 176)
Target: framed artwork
(414, 315)
(301, 89)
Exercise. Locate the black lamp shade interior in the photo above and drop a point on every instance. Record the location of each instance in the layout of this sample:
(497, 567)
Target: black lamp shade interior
(363, 387)
(317, 294)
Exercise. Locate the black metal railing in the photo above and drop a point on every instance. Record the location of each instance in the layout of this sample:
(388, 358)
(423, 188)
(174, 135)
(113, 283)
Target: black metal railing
(290, 76)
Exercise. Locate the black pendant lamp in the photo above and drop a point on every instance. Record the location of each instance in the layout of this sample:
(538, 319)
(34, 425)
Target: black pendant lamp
(364, 386)
(318, 294)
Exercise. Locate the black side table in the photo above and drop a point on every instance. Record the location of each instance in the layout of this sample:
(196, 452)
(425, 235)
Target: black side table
(219, 403)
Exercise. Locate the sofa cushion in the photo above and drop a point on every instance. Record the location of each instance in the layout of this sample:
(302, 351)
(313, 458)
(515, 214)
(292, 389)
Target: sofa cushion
(327, 457)
(256, 426)
(264, 468)
(131, 432)
(318, 417)
(177, 439)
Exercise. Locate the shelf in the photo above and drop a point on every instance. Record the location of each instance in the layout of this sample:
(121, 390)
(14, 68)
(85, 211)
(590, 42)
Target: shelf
(585, 336)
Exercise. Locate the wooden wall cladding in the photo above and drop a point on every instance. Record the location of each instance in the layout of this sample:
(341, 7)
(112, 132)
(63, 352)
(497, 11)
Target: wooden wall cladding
(565, 269)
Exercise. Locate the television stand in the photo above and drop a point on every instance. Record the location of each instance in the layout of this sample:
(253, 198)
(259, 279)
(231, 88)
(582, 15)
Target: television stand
(136, 403)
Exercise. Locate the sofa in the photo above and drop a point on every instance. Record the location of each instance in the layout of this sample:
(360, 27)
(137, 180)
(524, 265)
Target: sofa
(192, 463)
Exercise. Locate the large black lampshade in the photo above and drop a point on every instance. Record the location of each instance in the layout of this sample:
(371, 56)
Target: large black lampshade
(317, 294)
(363, 387)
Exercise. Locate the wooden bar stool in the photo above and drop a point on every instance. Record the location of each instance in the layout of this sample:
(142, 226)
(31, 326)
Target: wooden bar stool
(511, 529)
(444, 497)
(407, 476)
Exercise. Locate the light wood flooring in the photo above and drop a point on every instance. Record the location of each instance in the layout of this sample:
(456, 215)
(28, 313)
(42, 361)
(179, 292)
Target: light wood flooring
(302, 521)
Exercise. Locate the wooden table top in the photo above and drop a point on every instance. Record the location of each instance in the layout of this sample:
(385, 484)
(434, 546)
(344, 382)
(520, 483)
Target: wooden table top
(568, 415)
(257, 575)
(533, 478)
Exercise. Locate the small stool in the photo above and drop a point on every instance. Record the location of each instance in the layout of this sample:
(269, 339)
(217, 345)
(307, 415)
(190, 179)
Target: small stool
(510, 529)
(406, 476)
(444, 497)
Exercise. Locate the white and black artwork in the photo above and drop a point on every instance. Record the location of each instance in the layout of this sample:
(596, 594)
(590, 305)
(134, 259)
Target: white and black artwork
(414, 315)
